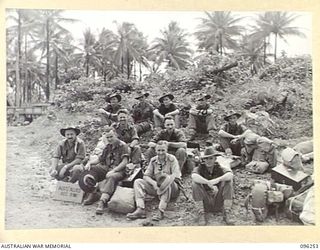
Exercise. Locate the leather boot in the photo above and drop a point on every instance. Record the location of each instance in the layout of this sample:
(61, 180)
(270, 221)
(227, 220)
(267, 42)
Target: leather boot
(139, 213)
(92, 198)
(227, 218)
(102, 206)
(202, 218)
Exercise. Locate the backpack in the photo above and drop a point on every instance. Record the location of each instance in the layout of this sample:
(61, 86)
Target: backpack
(263, 195)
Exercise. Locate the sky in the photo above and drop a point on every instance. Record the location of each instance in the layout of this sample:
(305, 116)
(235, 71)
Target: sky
(151, 22)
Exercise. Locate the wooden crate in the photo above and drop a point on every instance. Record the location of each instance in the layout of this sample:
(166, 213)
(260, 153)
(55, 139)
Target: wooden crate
(66, 191)
(282, 175)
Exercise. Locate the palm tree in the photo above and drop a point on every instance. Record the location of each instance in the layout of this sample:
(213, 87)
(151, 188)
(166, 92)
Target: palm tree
(280, 27)
(90, 54)
(254, 50)
(217, 31)
(172, 47)
(130, 46)
(106, 48)
(48, 27)
(277, 23)
(261, 31)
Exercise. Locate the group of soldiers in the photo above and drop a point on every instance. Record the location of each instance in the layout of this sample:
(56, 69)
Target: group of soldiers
(165, 159)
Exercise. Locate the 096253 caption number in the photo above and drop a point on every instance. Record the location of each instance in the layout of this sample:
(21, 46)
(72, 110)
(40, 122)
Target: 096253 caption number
(309, 246)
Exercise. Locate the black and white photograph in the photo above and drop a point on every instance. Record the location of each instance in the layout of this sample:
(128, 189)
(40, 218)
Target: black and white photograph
(158, 119)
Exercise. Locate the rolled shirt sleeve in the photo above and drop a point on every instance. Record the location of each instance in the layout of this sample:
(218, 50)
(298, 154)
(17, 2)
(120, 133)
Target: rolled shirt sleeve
(58, 152)
(81, 150)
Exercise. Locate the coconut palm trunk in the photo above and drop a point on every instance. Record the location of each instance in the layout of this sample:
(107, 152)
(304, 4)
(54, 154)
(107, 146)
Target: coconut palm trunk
(275, 46)
(48, 60)
(18, 78)
(56, 72)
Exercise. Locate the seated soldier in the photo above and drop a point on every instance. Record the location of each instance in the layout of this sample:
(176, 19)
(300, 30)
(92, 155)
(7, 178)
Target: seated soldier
(201, 118)
(212, 188)
(109, 113)
(176, 142)
(158, 180)
(230, 134)
(128, 134)
(72, 151)
(166, 108)
(111, 169)
(249, 146)
(142, 114)
(264, 156)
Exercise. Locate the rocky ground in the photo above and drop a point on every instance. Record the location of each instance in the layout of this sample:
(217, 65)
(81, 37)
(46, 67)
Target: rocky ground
(29, 188)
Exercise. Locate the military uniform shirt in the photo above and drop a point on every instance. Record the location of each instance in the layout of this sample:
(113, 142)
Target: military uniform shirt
(163, 110)
(113, 109)
(218, 171)
(127, 134)
(142, 111)
(176, 136)
(170, 166)
(69, 152)
(233, 130)
(112, 155)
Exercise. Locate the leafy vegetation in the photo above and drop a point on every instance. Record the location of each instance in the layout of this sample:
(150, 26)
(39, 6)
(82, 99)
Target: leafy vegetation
(42, 55)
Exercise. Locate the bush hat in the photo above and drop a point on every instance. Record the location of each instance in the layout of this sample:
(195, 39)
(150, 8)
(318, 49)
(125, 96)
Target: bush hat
(87, 182)
(141, 94)
(290, 160)
(170, 96)
(63, 130)
(204, 97)
(210, 151)
(164, 181)
(250, 138)
(108, 98)
(231, 113)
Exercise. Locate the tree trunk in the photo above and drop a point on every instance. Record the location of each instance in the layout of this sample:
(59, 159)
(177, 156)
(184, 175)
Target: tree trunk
(128, 64)
(25, 84)
(140, 72)
(56, 72)
(87, 65)
(220, 42)
(275, 46)
(18, 80)
(122, 64)
(224, 68)
(134, 69)
(264, 50)
(29, 89)
(48, 61)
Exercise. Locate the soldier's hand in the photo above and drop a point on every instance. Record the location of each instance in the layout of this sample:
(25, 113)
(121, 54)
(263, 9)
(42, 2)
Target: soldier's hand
(62, 172)
(213, 182)
(87, 166)
(53, 172)
(228, 151)
(111, 172)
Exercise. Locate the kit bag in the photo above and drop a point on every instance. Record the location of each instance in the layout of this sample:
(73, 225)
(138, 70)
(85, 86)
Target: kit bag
(262, 196)
(122, 201)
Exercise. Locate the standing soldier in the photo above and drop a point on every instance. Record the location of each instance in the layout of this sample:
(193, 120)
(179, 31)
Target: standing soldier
(109, 113)
(72, 151)
(212, 187)
(142, 114)
(159, 180)
(166, 108)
